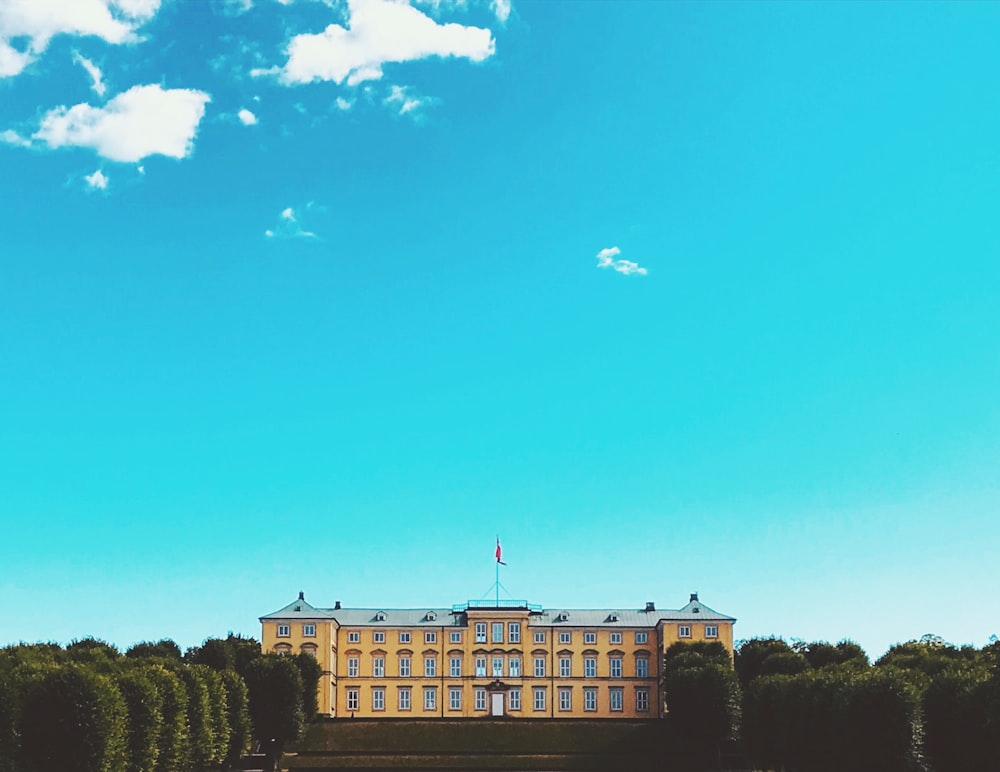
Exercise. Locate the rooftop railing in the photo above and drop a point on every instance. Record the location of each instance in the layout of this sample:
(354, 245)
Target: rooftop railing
(502, 604)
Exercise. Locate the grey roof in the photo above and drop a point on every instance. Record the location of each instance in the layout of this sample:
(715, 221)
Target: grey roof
(445, 617)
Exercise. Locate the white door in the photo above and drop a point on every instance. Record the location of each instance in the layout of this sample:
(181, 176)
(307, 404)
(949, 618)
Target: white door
(496, 704)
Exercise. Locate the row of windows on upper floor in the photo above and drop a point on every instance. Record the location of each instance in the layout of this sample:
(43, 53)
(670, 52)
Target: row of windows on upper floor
(499, 666)
(539, 695)
(497, 634)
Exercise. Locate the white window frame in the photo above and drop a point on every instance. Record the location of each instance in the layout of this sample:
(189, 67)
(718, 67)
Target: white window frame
(514, 699)
(430, 667)
(565, 698)
(430, 636)
(480, 699)
(684, 631)
(538, 698)
(430, 698)
(514, 667)
(378, 698)
(455, 636)
(539, 636)
(497, 669)
(641, 636)
(711, 631)
(616, 699)
(496, 633)
(378, 667)
(354, 636)
(353, 699)
(353, 667)
(513, 632)
(480, 632)
(405, 698)
(590, 638)
(615, 667)
(405, 667)
(539, 667)
(590, 667)
(404, 637)
(642, 667)
(480, 667)
(309, 630)
(378, 636)
(455, 665)
(590, 698)
(565, 637)
(454, 698)
(641, 700)
(565, 667)
(284, 631)
(616, 638)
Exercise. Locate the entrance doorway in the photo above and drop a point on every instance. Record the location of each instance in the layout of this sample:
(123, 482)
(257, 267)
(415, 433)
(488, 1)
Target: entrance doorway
(496, 704)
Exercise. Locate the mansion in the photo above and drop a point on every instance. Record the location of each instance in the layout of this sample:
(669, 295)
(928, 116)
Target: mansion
(490, 658)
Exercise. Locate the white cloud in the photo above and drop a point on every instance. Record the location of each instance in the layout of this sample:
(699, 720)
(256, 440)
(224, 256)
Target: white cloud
(143, 121)
(246, 117)
(344, 104)
(501, 9)
(400, 100)
(380, 31)
(97, 180)
(289, 227)
(11, 137)
(33, 23)
(606, 259)
(94, 72)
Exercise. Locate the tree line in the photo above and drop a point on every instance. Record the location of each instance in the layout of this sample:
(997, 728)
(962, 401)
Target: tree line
(925, 706)
(90, 708)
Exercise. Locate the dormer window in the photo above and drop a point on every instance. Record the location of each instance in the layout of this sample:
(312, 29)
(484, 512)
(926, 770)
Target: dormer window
(379, 616)
(431, 616)
(562, 616)
(613, 617)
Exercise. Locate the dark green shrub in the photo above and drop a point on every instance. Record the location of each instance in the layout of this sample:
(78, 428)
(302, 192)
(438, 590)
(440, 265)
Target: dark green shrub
(201, 748)
(237, 714)
(275, 688)
(174, 747)
(144, 725)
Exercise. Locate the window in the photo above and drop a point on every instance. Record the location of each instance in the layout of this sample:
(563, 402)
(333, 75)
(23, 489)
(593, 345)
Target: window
(514, 667)
(498, 667)
(309, 631)
(642, 637)
(711, 631)
(283, 649)
(378, 636)
(430, 667)
(352, 667)
(565, 667)
(617, 698)
(404, 698)
(539, 693)
(539, 667)
(481, 667)
(404, 667)
(480, 632)
(352, 699)
(354, 637)
(590, 637)
(616, 667)
(641, 700)
(684, 631)
(430, 637)
(456, 637)
(589, 698)
(565, 698)
(404, 637)
(456, 667)
(616, 638)
(378, 699)
(514, 632)
(454, 699)
(497, 636)
(590, 667)
(641, 667)
(378, 666)
(430, 698)
(514, 699)
(284, 631)
(539, 636)
(565, 637)
(310, 649)
(480, 695)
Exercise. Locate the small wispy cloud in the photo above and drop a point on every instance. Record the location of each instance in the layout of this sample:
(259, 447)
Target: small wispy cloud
(11, 137)
(246, 117)
(344, 104)
(289, 226)
(97, 180)
(608, 258)
(94, 72)
(501, 9)
(402, 101)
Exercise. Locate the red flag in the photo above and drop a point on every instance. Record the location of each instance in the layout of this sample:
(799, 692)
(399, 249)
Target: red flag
(499, 553)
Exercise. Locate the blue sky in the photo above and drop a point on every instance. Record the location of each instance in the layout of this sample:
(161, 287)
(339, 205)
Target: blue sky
(322, 296)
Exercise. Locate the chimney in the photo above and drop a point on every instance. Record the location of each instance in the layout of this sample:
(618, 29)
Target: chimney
(694, 597)
(650, 606)
(336, 605)
(302, 595)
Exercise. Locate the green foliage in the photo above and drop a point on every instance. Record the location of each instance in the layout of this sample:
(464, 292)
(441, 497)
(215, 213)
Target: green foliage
(275, 688)
(165, 649)
(683, 655)
(310, 671)
(8, 718)
(237, 715)
(144, 725)
(929, 656)
(766, 656)
(94, 653)
(201, 732)
(218, 712)
(173, 751)
(71, 718)
(820, 654)
(235, 652)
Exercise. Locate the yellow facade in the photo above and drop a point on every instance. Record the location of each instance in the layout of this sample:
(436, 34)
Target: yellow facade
(480, 659)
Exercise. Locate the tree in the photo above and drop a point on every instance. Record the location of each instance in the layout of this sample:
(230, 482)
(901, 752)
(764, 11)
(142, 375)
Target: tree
(819, 654)
(8, 703)
(144, 719)
(165, 649)
(955, 737)
(71, 719)
(218, 712)
(234, 652)
(201, 733)
(310, 671)
(275, 688)
(756, 657)
(174, 742)
(237, 714)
